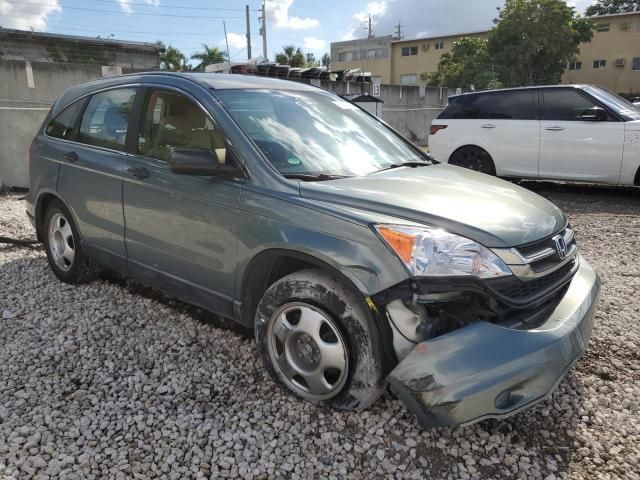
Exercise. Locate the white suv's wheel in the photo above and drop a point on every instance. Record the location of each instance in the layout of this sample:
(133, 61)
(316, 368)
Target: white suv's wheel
(473, 158)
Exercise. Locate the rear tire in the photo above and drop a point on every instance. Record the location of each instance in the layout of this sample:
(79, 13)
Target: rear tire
(313, 335)
(473, 158)
(65, 252)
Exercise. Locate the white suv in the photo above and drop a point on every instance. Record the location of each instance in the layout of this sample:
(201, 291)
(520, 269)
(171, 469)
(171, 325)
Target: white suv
(568, 132)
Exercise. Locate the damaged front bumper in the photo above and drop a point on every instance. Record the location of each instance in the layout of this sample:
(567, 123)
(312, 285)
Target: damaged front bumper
(485, 371)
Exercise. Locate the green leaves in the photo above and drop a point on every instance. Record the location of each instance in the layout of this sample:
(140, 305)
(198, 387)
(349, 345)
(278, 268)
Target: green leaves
(208, 56)
(291, 56)
(608, 7)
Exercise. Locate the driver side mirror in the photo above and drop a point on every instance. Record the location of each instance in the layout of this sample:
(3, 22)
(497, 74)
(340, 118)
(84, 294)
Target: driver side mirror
(193, 161)
(595, 114)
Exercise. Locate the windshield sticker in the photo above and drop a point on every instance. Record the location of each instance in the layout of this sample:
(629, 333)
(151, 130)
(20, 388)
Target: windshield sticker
(294, 161)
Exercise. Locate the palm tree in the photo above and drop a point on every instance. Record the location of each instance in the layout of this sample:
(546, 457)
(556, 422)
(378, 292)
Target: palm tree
(208, 56)
(291, 56)
(172, 59)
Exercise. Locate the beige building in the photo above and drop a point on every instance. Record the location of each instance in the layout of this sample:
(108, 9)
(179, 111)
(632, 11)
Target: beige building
(611, 59)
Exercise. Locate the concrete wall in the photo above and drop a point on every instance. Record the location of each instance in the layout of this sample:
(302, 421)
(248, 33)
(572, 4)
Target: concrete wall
(408, 109)
(25, 100)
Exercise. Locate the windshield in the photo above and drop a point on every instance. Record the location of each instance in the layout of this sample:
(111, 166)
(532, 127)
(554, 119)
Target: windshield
(620, 105)
(316, 133)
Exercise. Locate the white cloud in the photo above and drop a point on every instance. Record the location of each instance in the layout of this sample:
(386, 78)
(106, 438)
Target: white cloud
(236, 40)
(23, 16)
(125, 5)
(314, 43)
(580, 5)
(375, 9)
(278, 13)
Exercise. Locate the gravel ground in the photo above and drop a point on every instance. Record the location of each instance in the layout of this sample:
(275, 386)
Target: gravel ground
(109, 380)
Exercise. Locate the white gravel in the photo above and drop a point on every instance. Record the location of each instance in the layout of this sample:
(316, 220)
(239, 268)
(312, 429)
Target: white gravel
(108, 380)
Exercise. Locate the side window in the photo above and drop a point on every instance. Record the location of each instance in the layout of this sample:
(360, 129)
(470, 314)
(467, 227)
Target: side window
(106, 118)
(171, 121)
(465, 107)
(565, 105)
(63, 123)
(511, 106)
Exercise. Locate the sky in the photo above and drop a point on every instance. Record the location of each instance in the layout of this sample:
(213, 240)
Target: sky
(309, 24)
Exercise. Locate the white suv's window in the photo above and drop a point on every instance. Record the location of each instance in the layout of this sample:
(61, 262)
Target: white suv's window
(565, 105)
(511, 106)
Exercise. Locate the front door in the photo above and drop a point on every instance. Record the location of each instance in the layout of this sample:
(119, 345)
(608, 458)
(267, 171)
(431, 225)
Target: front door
(574, 149)
(181, 230)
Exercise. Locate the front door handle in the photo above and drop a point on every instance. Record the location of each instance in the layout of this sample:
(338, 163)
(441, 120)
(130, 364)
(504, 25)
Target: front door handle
(555, 128)
(138, 172)
(71, 157)
(488, 125)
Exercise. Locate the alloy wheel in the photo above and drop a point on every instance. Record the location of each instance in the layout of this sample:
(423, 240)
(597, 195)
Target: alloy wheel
(61, 242)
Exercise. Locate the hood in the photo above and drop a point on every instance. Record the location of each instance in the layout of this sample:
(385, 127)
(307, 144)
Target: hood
(486, 209)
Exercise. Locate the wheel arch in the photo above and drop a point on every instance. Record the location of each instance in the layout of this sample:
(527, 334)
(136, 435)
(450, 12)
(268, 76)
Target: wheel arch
(479, 147)
(271, 265)
(42, 203)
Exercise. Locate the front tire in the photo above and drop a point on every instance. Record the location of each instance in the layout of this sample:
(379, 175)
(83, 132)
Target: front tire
(313, 336)
(474, 158)
(65, 252)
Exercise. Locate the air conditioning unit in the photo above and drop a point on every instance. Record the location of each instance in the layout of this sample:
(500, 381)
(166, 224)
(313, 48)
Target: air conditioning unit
(424, 76)
(425, 47)
(620, 62)
(625, 25)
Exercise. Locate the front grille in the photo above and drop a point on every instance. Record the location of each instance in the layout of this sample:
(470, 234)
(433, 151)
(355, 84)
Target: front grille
(543, 255)
(517, 290)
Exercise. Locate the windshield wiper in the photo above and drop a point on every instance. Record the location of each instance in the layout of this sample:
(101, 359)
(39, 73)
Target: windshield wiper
(307, 177)
(411, 164)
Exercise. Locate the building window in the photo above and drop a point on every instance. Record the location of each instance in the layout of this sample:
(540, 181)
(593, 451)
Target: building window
(599, 64)
(603, 27)
(409, 51)
(374, 53)
(439, 45)
(345, 57)
(635, 65)
(575, 65)
(409, 79)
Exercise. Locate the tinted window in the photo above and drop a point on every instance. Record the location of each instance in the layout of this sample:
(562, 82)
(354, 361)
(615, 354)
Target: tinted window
(510, 106)
(464, 107)
(173, 121)
(565, 105)
(106, 118)
(62, 125)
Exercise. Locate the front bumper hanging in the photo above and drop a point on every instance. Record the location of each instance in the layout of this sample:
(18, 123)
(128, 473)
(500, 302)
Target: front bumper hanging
(485, 371)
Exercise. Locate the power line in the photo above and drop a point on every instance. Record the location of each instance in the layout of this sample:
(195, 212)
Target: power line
(119, 12)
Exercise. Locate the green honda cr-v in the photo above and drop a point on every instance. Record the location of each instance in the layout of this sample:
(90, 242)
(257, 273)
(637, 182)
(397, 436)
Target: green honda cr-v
(358, 259)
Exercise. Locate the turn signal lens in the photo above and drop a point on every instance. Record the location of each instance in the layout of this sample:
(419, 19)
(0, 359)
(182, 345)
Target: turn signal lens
(402, 243)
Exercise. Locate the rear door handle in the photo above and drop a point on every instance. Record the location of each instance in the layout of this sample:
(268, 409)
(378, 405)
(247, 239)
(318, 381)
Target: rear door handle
(488, 125)
(138, 172)
(71, 157)
(555, 128)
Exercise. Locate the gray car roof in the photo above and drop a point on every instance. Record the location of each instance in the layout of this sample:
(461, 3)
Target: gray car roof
(216, 81)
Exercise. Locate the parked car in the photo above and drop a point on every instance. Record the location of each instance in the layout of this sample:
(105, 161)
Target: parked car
(567, 132)
(358, 260)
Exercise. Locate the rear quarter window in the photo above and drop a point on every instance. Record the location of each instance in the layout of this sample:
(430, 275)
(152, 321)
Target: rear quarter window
(63, 124)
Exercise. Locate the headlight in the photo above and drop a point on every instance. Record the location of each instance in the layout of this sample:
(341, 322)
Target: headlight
(429, 251)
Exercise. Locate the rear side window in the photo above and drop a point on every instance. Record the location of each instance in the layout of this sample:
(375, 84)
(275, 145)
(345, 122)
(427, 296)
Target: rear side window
(62, 125)
(511, 106)
(565, 105)
(464, 107)
(106, 118)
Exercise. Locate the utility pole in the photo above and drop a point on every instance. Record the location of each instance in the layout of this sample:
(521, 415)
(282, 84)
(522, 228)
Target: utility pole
(263, 32)
(224, 25)
(248, 34)
(370, 30)
(399, 31)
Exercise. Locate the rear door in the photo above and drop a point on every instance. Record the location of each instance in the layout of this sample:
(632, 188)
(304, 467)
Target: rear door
(181, 230)
(90, 179)
(574, 149)
(509, 129)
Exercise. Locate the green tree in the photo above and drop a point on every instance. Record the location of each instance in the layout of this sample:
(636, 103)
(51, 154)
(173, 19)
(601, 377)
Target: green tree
(467, 64)
(608, 7)
(326, 60)
(172, 59)
(208, 56)
(291, 56)
(533, 40)
(311, 60)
